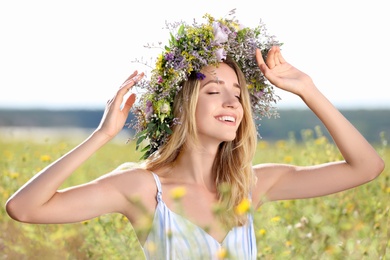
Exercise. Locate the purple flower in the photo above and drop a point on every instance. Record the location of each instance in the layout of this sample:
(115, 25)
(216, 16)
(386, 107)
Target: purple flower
(200, 76)
(259, 94)
(169, 56)
(148, 108)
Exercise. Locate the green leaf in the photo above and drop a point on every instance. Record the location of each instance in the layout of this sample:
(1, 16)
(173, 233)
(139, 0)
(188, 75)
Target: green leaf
(139, 134)
(181, 30)
(167, 129)
(173, 40)
(146, 148)
(140, 139)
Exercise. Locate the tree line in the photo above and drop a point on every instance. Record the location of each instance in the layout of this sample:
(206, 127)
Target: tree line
(290, 121)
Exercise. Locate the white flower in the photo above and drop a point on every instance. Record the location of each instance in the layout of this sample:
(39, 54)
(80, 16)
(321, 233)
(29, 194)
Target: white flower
(164, 109)
(221, 54)
(220, 35)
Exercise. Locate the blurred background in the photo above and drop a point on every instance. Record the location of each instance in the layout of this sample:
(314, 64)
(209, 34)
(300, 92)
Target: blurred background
(61, 61)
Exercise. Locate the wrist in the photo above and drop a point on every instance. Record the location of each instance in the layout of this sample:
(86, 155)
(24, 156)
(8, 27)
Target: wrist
(100, 137)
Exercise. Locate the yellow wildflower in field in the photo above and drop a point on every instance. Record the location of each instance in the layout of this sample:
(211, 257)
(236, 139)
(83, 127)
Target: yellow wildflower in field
(288, 159)
(262, 232)
(14, 175)
(288, 243)
(243, 207)
(263, 145)
(321, 140)
(8, 155)
(349, 207)
(281, 144)
(178, 192)
(4, 192)
(267, 249)
(275, 219)
(45, 158)
(151, 246)
(222, 253)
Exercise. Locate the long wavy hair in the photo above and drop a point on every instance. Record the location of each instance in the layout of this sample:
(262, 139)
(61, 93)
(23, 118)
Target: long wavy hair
(233, 163)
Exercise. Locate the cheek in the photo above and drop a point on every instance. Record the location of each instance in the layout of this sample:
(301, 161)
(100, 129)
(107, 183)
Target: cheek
(201, 107)
(200, 110)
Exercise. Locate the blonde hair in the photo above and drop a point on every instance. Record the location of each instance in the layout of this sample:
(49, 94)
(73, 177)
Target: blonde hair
(233, 163)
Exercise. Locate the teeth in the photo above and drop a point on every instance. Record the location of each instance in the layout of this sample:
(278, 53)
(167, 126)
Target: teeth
(227, 118)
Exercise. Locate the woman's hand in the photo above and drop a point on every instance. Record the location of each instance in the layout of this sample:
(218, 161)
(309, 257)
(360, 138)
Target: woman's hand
(115, 116)
(281, 74)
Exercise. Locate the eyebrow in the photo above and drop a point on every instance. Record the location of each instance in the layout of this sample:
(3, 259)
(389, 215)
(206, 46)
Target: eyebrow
(220, 82)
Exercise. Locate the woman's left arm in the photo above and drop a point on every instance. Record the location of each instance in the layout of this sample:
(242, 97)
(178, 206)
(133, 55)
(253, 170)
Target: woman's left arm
(361, 162)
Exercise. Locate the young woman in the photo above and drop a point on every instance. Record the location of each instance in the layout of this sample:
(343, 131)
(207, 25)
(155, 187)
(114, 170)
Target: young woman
(202, 138)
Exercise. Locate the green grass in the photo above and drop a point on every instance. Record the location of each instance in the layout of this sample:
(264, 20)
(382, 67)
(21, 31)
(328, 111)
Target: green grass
(349, 225)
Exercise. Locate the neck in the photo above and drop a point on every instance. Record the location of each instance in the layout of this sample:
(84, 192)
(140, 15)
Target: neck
(195, 165)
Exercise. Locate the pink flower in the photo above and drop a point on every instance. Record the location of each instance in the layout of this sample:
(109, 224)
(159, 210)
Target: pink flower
(160, 79)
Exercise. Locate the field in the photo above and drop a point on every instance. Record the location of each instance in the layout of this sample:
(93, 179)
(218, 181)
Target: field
(349, 225)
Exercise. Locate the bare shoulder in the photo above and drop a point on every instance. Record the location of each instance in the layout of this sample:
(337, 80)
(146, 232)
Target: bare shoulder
(130, 178)
(136, 186)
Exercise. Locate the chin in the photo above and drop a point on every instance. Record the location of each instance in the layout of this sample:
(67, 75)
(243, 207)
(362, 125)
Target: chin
(229, 138)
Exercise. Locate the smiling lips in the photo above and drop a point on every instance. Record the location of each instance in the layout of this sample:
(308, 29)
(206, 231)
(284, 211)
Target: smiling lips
(226, 119)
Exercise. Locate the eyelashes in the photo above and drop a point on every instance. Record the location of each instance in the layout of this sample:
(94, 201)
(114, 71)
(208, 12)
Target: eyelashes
(216, 92)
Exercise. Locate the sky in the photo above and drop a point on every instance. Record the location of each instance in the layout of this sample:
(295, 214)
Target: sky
(75, 54)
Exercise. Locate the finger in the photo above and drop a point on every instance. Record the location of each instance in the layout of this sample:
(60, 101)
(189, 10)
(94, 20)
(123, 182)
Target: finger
(128, 84)
(271, 58)
(280, 57)
(129, 103)
(277, 55)
(129, 79)
(132, 80)
(260, 61)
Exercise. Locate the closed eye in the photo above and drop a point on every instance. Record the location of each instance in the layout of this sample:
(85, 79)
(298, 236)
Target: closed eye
(213, 93)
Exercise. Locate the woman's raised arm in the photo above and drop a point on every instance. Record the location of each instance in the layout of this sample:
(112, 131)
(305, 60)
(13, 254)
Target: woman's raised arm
(362, 163)
(39, 201)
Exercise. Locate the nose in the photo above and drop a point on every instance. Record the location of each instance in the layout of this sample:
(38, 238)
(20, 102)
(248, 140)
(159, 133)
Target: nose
(231, 101)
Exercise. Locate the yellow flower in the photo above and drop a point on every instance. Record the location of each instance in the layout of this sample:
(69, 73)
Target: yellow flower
(262, 232)
(14, 175)
(388, 190)
(45, 158)
(263, 144)
(178, 192)
(288, 243)
(222, 253)
(151, 246)
(243, 207)
(321, 140)
(281, 144)
(288, 159)
(275, 219)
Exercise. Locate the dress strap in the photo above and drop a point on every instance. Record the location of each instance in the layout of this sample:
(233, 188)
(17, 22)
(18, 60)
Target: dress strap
(158, 184)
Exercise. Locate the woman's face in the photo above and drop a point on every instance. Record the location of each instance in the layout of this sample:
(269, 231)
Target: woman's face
(219, 111)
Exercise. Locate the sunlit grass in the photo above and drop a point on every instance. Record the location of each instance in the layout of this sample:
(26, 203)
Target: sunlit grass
(349, 225)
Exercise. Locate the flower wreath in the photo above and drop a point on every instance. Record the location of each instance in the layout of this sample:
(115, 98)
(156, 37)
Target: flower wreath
(189, 50)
